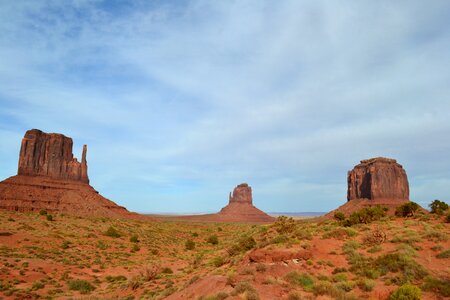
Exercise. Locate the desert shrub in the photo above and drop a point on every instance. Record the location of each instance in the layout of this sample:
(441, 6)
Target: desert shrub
(167, 270)
(245, 243)
(350, 246)
(65, 244)
(38, 285)
(366, 284)
(213, 239)
(279, 239)
(218, 296)
(340, 233)
(102, 245)
(49, 218)
(376, 237)
(149, 273)
(295, 296)
(135, 282)
(444, 254)
(394, 262)
(406, 292)
(439, 286)
(327, 288)
(134, 238)
(300, 279)
(135, 248)
(43, 212)
(261, 268)
(345, 286)
(284, 225)
(407, 209)
(304, 234)
(189, 245)
(112, 232)
(367, 215)
(339, 270)
(82, 286)
(438, 207)
(112, 279)
(447, 218)
(374, 249)
(246, 288)
(218, 261)
(339, 216)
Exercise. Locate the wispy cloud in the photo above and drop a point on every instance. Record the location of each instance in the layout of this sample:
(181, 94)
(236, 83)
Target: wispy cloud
(180, 101)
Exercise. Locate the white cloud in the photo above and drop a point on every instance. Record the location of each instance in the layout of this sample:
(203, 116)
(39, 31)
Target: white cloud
(195, 98)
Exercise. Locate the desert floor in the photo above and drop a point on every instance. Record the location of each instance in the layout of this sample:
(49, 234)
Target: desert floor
(65, 257)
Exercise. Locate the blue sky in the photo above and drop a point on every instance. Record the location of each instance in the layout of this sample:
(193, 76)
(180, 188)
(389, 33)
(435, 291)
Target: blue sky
(180, 101)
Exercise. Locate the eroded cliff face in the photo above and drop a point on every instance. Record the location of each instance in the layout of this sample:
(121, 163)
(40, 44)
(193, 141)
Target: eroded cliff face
(50, 154)
(378, 178)
(241, 194)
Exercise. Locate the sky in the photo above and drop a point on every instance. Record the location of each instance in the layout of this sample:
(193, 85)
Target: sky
(180, 101)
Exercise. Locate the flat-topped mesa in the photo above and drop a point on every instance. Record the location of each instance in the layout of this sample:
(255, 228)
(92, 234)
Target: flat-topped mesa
(241, 194)
(378, 178)
(50, 154)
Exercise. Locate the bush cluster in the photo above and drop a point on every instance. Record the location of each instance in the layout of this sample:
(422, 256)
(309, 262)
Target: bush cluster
(363, 216)
(407, 209)
(438, 207)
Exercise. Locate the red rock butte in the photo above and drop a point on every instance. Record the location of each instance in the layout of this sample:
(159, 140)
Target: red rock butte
(50, 178)
(376, 181)
(240, 207)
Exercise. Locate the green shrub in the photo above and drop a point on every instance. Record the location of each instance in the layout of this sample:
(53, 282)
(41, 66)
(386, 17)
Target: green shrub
(438, 207)
(444, 254)
(112, 279)
(82, 286)
(447, 219)
(135, 248)
(213, 239)
(284, 225)
(112, 232)
(365, 215)
(65, 244)
(339, 216)
(246, 288)
(407, 209)
(218, 261)
(134, 238)
(49, 218)
(366, 284)
(37, 285)
(279, 239)
(440, 286)
(43, 212)
(167, 270)
(406, 292)
(189, 245)
(300, 279)
(395, 262)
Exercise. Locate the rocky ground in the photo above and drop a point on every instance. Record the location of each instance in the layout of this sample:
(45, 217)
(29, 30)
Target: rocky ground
(66, 257)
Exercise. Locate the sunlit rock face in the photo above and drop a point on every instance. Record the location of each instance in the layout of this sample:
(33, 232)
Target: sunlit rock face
(378, 178)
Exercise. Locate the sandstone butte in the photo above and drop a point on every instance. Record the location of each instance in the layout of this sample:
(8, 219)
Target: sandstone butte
(376, 181)
(240, 209)
(50, 178)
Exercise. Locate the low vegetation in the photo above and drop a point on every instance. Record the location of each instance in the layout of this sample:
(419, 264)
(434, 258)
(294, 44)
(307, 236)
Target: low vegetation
(354, 256)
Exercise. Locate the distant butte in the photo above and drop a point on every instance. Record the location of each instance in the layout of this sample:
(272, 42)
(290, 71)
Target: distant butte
(240, 207)
(50, 178)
